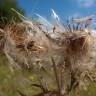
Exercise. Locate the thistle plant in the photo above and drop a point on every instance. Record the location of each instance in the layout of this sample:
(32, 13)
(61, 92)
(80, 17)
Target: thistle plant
(60, 55)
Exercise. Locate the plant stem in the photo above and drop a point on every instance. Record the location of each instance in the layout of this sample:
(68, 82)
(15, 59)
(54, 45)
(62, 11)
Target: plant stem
(56, 76)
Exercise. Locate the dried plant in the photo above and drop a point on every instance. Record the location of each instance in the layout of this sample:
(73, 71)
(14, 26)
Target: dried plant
(63, 52)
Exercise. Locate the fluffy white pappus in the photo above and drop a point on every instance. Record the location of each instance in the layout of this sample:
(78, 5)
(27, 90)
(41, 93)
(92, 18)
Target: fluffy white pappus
(44, 21)
(55, 16)
(28, 23)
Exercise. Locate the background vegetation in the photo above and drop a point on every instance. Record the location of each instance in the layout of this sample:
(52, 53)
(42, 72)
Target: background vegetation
(6, 14)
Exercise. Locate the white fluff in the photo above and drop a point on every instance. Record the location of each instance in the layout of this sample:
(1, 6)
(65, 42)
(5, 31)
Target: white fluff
(55, 15)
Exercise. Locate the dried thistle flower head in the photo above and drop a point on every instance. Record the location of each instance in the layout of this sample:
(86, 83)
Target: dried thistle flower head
(29, 43)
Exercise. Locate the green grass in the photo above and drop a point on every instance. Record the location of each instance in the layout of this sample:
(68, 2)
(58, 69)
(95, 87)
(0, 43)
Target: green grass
(91, 90)
(5, 78)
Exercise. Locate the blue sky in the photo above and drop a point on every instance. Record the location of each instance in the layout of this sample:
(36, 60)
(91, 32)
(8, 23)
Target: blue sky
(64, 8)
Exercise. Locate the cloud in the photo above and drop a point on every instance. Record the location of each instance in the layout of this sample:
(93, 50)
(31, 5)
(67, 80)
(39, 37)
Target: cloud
(86, 3)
